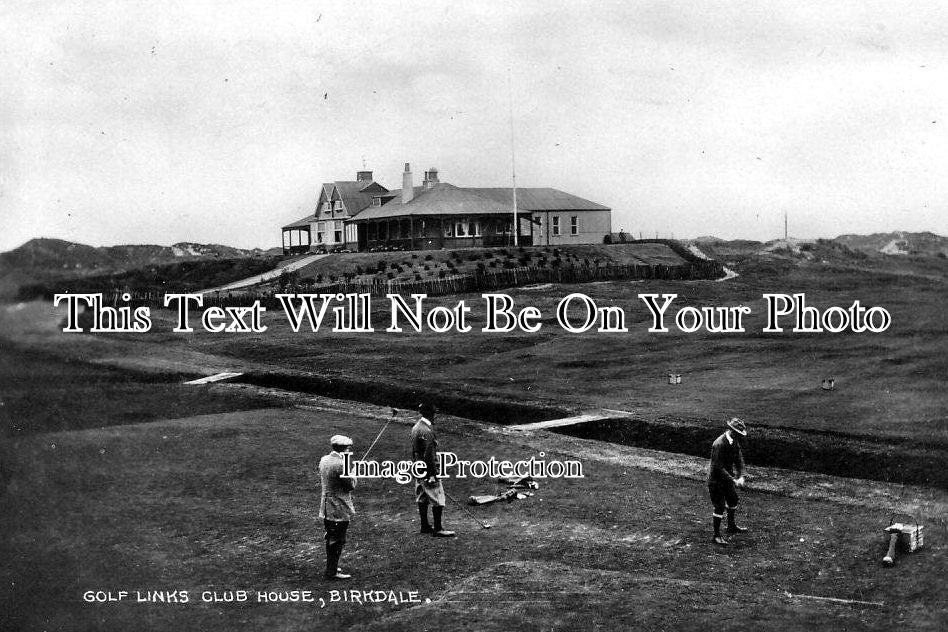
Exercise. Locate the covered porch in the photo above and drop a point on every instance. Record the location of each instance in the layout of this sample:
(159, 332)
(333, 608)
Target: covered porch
(434, 232)
(297, 237)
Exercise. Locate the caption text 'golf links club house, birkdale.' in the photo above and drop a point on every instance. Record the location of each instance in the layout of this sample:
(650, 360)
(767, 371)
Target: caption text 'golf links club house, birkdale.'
(363, 215)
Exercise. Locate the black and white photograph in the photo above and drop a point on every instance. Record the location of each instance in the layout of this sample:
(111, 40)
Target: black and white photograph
(429, 315)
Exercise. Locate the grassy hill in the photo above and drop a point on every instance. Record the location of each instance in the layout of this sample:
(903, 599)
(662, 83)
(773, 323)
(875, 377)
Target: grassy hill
(44, 266)
(428, 264)
(58, 254)
(878, 246)
(898, 243)
(172, 277)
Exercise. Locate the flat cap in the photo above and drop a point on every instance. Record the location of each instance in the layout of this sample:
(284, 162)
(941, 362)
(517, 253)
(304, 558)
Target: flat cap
(340, 440)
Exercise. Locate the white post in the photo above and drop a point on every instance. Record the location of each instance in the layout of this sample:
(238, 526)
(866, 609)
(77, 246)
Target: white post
(513, 163)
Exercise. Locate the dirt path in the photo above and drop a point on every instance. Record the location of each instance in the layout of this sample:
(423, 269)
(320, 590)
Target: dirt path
(290, 266)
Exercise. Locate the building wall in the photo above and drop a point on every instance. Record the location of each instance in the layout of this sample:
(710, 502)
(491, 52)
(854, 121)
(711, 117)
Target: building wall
(592, 227)
(319, 232)
(329, 228)
(330, 232)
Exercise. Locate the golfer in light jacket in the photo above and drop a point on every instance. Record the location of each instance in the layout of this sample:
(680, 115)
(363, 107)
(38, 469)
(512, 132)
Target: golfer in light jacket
(335, 504)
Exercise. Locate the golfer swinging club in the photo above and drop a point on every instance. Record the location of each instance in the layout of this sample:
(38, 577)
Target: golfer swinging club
(725, 475)
(428, 489)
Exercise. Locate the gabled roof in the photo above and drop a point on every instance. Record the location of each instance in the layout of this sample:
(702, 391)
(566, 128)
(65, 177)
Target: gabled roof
(325, 192)
(374, 187)
(301, 223)
(441, 199)
(447, 199)
(398, 193)
(539, 199)
(353, 195)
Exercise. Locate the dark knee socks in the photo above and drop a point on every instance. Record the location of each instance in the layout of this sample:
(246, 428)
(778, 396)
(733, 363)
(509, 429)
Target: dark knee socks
(333, 553)
(423, 512)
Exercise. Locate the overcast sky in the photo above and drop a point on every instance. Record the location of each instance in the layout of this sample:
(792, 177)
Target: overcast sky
(153, 122)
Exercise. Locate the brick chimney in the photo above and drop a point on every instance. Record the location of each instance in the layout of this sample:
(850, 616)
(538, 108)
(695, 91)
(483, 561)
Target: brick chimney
(363, 176)
(431, 178)
(408, 189)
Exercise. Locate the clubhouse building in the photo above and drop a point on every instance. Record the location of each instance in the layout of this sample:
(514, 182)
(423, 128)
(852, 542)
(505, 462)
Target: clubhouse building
(363, 215)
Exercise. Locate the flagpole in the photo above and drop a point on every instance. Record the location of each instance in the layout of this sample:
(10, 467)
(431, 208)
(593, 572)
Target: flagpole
(513, 162)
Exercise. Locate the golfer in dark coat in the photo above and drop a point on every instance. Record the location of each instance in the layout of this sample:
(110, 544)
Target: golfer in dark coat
(335, 504)
(428, 489)
(725, 475)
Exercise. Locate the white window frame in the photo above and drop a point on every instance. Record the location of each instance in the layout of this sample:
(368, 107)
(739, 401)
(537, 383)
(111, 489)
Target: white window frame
(574, 225)
(338, 231)
(555, 225)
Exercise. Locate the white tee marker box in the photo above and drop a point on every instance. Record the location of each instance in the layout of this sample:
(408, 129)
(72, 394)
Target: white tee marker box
(214, 378)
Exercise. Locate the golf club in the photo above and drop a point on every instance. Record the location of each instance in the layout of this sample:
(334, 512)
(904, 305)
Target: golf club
(379, 435)
(484, 525)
